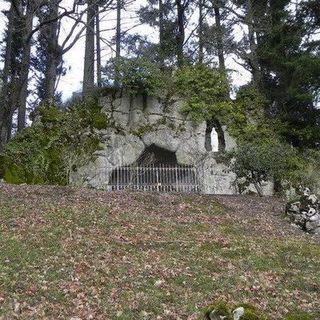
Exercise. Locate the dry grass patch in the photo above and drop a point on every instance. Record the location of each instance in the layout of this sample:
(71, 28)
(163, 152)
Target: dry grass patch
(78, 253)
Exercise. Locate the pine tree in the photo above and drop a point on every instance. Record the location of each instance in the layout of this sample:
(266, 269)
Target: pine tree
(160, 15)
(291, 72)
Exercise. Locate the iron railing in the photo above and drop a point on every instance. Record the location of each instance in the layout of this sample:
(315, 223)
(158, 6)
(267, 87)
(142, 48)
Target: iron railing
(161, 178)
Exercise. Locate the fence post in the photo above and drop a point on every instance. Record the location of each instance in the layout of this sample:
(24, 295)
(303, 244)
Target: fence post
(176, 178)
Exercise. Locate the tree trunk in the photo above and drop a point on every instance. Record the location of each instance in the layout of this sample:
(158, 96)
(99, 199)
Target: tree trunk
(201, 40)
(8, 101)
(181, 33)
(5, 113)
(50, 78)
(25, 66)
(4, 123)
(253, 58)
(53, 54)
(88, 73)
(10, 126)
(5, 109)
(8, 51)
(161, 35)
(98, 48)
(118, 44)
(220, 47)
(118, 31)
(17, 64)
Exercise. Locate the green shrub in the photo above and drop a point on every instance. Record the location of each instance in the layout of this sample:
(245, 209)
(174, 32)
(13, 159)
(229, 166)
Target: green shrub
(138, 76)
(31, 156)
(310, 175)
(45, 152)
(205, 91)
(264, 159)
(246, 117)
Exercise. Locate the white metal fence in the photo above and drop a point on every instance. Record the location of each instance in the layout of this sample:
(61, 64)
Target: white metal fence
(162, 178)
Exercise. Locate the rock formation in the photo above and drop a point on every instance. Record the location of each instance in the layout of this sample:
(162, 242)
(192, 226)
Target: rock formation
(305, 212)
(137, 125)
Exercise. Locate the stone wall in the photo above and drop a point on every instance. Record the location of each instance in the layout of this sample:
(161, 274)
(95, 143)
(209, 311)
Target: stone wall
(139, 122)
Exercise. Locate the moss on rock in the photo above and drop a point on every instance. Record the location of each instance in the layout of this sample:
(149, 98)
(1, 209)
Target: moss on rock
(219, 308)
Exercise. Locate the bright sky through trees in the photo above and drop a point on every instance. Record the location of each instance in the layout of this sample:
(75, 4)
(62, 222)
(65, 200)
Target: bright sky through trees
(73, 59)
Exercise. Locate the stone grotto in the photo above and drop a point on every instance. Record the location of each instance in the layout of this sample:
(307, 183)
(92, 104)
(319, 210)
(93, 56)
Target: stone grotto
(153, 131)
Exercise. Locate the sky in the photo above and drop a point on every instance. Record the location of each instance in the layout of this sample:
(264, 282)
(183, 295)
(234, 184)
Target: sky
(73, 59)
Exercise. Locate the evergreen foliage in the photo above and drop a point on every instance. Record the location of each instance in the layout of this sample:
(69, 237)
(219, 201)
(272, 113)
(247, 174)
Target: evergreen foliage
(57, 143)
(291, 72)
(151, 15)
(257, 162)
(138, 76)
(205, 91)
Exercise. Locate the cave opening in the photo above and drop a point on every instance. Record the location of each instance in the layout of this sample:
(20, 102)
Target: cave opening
(155, 156)
(157, 169)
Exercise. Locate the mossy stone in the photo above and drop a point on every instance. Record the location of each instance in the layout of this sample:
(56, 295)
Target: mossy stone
(219, 308)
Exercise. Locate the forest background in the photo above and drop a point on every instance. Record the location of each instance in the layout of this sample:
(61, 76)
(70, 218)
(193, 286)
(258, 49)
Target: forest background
(253, 65)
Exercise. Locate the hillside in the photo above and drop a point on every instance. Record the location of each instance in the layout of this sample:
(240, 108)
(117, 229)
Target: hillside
(75, 253)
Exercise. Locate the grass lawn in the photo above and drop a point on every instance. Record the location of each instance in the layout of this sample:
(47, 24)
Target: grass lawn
(72, 253)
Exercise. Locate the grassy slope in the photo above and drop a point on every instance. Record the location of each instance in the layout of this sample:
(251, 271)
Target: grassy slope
(94, 255)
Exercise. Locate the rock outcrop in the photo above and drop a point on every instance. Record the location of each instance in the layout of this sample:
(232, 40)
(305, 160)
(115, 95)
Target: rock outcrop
(138, 123)
(305, 212)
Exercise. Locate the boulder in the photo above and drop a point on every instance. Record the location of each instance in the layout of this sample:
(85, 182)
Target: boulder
(192, 146)
(230, 142)
(216, 178)
(121, 149)
(163, 137)
(305, 212)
